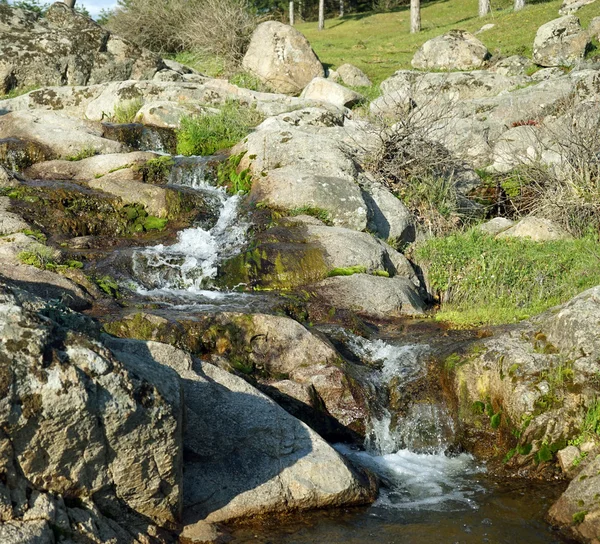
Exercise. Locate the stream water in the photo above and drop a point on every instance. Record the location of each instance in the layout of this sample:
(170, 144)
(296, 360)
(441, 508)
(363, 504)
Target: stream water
(428, 494)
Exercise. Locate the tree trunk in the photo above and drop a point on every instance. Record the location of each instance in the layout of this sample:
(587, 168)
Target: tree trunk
(321, 14)
(484, 7)
(301, 10)
(341, 8)
(70, 3)
(519, 4)
(415, 16)
(292, 12)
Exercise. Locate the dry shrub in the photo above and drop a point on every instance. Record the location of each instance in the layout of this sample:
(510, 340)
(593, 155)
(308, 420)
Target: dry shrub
(220, 28)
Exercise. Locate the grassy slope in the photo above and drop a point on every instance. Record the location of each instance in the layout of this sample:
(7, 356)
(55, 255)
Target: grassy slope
(381, 43)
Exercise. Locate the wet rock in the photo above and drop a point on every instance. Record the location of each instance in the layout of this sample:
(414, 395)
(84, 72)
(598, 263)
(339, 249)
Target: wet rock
(141, 137)
(560, 42)
(62, 136)
(455, 50)
(372, 296)
(247, 456)
(323, 90)
(282, 58)
(353, 76)
(17, 154)
(536, 229)
(65, 48)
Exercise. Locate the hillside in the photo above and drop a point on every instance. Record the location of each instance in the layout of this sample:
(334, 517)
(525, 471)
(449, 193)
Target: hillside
(380, 43)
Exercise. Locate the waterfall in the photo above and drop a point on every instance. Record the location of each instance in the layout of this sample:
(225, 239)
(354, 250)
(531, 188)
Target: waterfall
(409, 452)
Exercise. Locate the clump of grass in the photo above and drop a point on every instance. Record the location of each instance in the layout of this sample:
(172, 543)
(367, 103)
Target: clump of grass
(319, 213)
(249, 81)
(483, 280)
(84, 153)
(126, 111)
(45, 258)
(156, 170)
(18, 92)
(347, 271)
(232, 178)
(591, 422)
(208, 133)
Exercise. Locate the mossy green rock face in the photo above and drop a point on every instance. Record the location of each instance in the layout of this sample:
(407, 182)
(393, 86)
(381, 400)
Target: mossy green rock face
(16, 154)
(300, 370)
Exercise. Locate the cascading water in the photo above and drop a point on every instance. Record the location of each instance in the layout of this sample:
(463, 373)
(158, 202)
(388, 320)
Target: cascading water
(409, 452)
(186, 269)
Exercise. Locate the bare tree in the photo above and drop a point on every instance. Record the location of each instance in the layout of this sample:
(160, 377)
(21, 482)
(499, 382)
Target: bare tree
(415, 16)
(321, 14)
(484, 7)
(292, 12)
(70, 3)
(519, 5)
(341, 8)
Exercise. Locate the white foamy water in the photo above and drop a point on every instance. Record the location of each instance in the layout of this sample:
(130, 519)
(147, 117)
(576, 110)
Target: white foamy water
(190, 263)
(409, 452)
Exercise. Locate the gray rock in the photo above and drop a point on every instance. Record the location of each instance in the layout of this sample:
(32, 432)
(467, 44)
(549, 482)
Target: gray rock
(10, 222)
(496, 225)
(515, 65)
(62, 136)
(281, 56)
(18, 532)
(571, 6)
(248, 456)
(324, 90)
(560, 42)
(567, 458)
(373, 296)
(65, 48)
(536, 229)
(353, 76)
(168, 114)
(455, 50)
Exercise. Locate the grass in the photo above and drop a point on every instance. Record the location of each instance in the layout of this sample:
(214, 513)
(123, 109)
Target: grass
(18, 92)
(208, 133)
(126, 111)
(493, 281)
(380, 43)
(85, 153)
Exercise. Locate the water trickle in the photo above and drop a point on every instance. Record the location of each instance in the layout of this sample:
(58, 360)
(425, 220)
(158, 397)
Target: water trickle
(409, 452)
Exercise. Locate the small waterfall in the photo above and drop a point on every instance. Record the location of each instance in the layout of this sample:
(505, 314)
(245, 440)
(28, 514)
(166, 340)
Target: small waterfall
(409, 452)
(190, 265)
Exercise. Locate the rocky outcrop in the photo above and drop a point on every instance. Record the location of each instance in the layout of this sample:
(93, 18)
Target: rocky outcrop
(65, 48)
(560, 42)
(247, 456)
(323, 90)
(353, 76)
(571, 6)
(281, 57)
(455, 50)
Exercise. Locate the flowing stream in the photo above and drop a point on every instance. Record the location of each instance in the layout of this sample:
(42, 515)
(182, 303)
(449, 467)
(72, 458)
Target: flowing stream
(429, 494)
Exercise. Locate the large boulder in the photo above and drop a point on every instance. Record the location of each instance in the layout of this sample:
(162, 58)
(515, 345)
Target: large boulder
(353, 76)
(65, 48)
(536, 229)
(246, 455)
(455, 50)
(561, 42)
(79, 423)
(325, 90)
(282, 58)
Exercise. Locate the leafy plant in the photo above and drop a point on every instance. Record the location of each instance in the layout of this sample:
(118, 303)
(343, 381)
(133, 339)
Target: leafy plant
(208, 133)
(108, 285)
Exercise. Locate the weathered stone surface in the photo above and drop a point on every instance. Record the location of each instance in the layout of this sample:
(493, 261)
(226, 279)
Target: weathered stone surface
(65, 48)
(515, 65)
(88, 169)
(168, 114)
(247, 455)
(353, 76)
(85, 424)
(17, 532)
(64, 136)
(560, 42)
(536, 229)
(496, 225)
(10, 222)
(373, 296)
(455, 50)
(323, 90)
(571, 6)
(282, 58)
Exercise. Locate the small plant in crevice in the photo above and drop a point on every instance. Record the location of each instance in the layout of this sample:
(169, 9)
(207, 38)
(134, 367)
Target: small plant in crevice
(84, 153)
(157, 170)
(126, 110)
(109, 286)
(314, 211)
(231, 177)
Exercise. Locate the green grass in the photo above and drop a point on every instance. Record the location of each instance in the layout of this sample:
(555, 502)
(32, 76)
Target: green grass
(232, 178)
(18, 92)
(380, 43)
(85, 153)
(126, 111)
(208, 133)
(591, 422)
(494, 281)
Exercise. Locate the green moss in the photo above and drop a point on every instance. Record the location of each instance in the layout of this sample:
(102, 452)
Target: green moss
(478, 407)
(313, 211)
(524, 449)
(544, 454)
(347, 271)
(579, 517)
(496, 420)
(154, 223)
(38, 235)
(108, 285)
(156, 170)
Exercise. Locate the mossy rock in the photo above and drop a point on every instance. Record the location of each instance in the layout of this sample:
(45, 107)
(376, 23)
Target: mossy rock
(17, 155)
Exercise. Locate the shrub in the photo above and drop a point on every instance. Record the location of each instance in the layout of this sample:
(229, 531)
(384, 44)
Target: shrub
(208, 133)
(480, 279)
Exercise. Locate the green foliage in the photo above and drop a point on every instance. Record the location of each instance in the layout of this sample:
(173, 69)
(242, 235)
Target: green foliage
(246, 80)
(490, 281)
(208, 133)
(156, 170)
(154, 223)
(18, 92)
(347, 271)
(108, 285)
(544, 454)
(313, 211)
(496, 420)
(126, 111)
(579, 517)
(524, 449)
(229, 176)
(139, 219)
(84, 153)
(39, 236)
(39, 256)
(591, 422)
(478, 407)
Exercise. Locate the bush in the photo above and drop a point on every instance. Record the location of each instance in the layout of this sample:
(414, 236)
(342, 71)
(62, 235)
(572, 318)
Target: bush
(220, 28)
(482, 280)
(208, 133)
